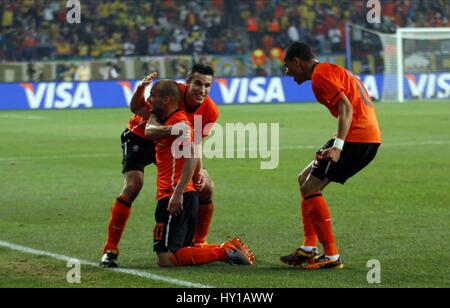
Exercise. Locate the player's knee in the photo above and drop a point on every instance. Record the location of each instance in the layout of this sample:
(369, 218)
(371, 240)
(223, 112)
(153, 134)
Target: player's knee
(206, 194)
(132, 188)
(302, 179)
(210, 185)
(165, 260)
(305, 188)
(310, 187)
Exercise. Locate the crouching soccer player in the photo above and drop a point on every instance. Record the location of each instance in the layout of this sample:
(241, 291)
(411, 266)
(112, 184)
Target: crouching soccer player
(177, 209)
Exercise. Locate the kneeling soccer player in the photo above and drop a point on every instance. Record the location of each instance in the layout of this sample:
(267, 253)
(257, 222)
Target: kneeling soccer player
(177, 210)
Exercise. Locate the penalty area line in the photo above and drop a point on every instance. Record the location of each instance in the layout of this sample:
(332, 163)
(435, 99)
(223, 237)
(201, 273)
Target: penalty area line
(138, 273)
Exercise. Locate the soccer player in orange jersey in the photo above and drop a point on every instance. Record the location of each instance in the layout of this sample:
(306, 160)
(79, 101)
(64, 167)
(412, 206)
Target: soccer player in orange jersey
(195, 101)
(177, 210)
(137, 152)
(353, 148)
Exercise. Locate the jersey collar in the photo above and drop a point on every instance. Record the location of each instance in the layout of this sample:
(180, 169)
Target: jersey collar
(170, 115)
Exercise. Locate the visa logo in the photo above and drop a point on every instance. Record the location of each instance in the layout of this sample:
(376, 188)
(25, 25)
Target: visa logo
(129, 88)
(58, 95)
(429, 85)
(251, 90)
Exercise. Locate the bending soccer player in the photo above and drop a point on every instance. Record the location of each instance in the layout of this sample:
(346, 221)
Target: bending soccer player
(353, 148)
(177, 210)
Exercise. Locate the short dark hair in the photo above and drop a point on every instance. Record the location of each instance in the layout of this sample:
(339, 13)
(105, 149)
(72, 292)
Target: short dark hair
(201, 69)
(300, 50)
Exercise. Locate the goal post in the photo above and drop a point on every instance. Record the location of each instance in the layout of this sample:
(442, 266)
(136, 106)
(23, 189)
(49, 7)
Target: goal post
(408, 53)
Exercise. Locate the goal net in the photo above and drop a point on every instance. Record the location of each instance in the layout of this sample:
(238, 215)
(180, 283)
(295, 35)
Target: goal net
(414, 62)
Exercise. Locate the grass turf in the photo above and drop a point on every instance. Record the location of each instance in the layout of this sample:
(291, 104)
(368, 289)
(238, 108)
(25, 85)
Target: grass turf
(61, 172)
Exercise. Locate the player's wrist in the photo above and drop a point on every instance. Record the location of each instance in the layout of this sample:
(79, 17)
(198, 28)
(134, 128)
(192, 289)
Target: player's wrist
(143, 85)
(338, 144)
(179, 190)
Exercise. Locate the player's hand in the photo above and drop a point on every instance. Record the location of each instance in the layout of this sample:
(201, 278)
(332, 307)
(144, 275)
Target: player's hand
(199, 181)
(331, 154)
(149, 79)
(175, 204)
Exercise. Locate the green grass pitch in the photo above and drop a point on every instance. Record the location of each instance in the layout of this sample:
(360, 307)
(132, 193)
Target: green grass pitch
(60, 172)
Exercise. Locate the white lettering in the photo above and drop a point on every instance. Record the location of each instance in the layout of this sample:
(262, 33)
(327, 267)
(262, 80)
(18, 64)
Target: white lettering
(243, 93)
(34, 98)
(82, 96)
(374, 275)
(256, 87)
(371, 86)
(74, 15)
(374, 15)
(62, 92)
(444, 85)
(417, 90)
(74, 275)
(275, 91)
(229, 92)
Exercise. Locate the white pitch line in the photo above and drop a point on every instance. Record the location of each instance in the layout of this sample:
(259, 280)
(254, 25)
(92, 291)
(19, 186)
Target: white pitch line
(133, 272)
(207, 154)
(22, 117)
(56, 157)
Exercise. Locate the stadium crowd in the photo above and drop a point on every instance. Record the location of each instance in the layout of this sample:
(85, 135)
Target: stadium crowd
(38, 30)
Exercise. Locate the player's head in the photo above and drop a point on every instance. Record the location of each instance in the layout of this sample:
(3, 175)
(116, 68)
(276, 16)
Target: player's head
(298, 60)
(199, 82)
(165, 96)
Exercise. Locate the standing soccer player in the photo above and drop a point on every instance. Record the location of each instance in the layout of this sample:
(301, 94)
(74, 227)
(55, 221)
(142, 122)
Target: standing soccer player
(177, 210)
(137, 152)
(353, 148)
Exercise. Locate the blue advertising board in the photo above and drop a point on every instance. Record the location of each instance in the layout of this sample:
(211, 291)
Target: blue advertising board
(257, 90)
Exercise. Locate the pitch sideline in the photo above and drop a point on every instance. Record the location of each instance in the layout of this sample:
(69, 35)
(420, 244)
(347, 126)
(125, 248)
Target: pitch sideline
(133, 272)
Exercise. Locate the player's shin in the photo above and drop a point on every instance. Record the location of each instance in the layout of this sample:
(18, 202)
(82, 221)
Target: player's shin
(318, 210)
(205, 213)
(120, 212)
(190, 256)
(309, 232)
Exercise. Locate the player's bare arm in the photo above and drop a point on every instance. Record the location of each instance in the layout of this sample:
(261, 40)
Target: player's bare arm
(176, 201)
(138, 105)
(345, 116)
(154, 130)
(199, 178)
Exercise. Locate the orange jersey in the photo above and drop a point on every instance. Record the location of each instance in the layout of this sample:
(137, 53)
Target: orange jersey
(170, 168)
(330, 83)
(208, 110)
(137, 123)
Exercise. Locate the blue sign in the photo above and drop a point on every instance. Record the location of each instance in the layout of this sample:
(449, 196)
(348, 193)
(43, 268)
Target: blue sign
(256, 90)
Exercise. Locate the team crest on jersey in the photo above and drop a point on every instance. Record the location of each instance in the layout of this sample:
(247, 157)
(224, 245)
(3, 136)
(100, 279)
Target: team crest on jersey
(136, 148)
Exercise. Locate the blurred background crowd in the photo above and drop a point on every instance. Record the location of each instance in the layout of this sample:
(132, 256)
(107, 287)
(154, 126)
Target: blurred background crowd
(33, 30)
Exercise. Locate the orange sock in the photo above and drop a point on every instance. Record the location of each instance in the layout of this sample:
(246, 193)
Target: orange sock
(208, 245)
(120, 212)
(189, 256)
(317, 208)
(309, 233)
(205, 213)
